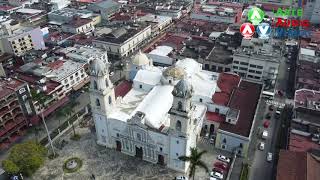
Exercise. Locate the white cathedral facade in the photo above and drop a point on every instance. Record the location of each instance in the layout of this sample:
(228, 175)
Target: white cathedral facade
(159, 119)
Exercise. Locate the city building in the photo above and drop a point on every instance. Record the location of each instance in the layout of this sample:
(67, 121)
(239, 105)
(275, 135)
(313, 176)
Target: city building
(106, 8)
(308, 68)
(19, 40)
(69, 73)
(297, 166)
(16, 107)
(123, 40)
(78, 25)
(257, 61)
(66, 15)
(83, 54)
(311, 11)
(218, 12)
(219, 59)
(158, 23)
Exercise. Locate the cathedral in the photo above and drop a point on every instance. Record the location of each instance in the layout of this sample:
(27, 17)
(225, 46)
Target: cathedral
(160, 118)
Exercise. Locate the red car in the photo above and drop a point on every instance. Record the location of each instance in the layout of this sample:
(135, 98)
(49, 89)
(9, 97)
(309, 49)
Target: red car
(216, 169)
(221, 165)
(266, 123)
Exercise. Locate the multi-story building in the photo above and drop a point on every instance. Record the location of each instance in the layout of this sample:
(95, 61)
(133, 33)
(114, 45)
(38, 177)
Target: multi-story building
(257, 61)
(83, 54)
(78, 26)
(69, 73)
(158, 23)
(123, 40)
(19, 40)
(105, 8)
(66, 15)
(15, 107)
(311, 11)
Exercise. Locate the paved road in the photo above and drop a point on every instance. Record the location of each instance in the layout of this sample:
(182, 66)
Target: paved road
(260, 168)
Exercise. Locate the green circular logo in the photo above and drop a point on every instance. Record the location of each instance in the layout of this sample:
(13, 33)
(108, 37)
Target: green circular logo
(255, 15)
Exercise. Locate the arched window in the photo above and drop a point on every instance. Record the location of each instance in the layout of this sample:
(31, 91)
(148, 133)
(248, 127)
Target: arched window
(95, 85)
(110, 100)
(179, 105)
(224, 140)
(107, 83)
(97, 102)
(178, 126)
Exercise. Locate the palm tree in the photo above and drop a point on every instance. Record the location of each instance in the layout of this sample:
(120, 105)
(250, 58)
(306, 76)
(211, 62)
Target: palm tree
(195, 161)
(67, 111)
(41, 99)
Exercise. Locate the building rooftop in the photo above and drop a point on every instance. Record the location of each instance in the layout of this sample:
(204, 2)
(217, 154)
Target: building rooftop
(245, 98)
(82, 53)
(171, 40)
(220, 54)
(227, 83)
(9, 86)
(307, 99)
(196, 47)
(215, 117)
(299, 143)
(78, 22)
(71, 12)
(297, 166)
(308, 75)
(122, 33)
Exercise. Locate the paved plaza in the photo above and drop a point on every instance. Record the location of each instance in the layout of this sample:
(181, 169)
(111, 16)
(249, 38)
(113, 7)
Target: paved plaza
(108, 164)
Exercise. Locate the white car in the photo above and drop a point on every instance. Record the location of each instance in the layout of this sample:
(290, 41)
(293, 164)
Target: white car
(111, 73)
(264, 134)
(217, 175)
(181, 178)
(211, 141)
(261, 146)
(269, 157)
(223, 158)
(213, 178)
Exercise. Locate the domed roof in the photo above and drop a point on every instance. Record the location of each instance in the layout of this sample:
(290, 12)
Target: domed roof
(182, 89)
(98, 67)
(140, 59)
(175, 72)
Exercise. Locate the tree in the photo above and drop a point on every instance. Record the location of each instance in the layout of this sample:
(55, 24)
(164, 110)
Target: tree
(195, 161)
(25, 158)
(67, 111)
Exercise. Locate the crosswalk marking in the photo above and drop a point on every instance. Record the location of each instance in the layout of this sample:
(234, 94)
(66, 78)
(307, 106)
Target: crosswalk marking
(275, 103)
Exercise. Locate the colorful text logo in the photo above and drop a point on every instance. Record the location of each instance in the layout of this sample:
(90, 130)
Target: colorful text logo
(264, 30)
(255, 15)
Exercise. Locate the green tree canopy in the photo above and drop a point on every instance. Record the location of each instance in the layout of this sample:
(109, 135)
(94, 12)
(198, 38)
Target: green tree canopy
(25, 158)
(195, 161)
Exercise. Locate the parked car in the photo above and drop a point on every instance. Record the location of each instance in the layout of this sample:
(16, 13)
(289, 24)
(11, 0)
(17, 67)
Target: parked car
(111, 73)
(211, 141)
(277, 114)
(271, 107)
(261, 146)
(213, 178)
(207, 135)
(221, 165)
(264, 134)
(268, 116)
(218, 170)
(266, 123)
(181, 178)
(216, 175)
(280, 93)
(269, 157)
(223, 158)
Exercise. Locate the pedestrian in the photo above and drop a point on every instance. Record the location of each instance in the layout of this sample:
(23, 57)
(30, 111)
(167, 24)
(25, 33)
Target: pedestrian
(93, 176)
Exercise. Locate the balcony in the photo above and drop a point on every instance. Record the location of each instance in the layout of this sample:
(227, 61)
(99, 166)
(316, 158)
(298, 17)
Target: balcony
(13, 104)
(16, 110)
(11, 97)
(4, 110)
(6, 117)
(2, 103)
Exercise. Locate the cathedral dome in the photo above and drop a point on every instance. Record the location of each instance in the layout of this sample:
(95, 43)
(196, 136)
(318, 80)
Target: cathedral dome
(140, 59)
(98, 67)
(174, 72)
(182, 89)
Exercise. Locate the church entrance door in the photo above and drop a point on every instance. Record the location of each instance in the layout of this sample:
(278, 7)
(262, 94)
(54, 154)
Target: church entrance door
(160, 159)
(118, 146)
(139, 152)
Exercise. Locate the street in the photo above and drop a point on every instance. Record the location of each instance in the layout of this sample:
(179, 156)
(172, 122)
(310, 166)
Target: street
(260, 168)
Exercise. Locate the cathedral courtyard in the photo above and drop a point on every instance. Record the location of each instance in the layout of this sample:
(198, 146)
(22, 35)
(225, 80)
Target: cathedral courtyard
(107, 164)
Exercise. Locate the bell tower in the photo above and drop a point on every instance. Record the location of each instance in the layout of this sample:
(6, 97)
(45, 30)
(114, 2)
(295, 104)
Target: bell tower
(102, 98)
(180, 113)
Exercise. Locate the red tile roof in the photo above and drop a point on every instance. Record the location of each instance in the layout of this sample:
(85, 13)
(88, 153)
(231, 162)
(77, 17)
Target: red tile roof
(297, 166)
(299, 143)
(292, 165)
(227, 82)
(245, 98)
(9, 86)
(123, 88)
(56, 64)
(216, 117)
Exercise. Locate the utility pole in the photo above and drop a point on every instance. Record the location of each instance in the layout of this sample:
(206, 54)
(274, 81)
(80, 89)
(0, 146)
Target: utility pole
(45, 125)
